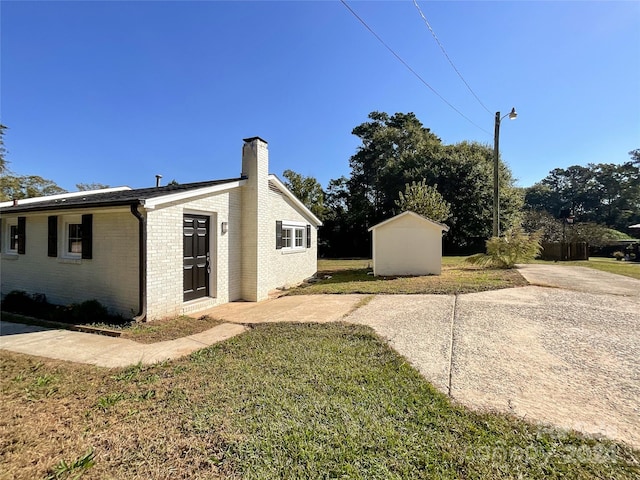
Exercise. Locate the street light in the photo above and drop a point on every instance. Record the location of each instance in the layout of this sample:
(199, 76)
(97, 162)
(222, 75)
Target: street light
(496, 189)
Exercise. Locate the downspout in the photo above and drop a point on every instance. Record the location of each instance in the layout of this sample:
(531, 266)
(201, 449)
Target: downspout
(142, 263)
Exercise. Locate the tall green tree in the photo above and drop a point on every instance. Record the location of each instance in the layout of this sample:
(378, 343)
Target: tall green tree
(398, 149)
(26, 186)
(602, 193)
(424, 200)
(308, 190)
(393, 151)
(83, 187)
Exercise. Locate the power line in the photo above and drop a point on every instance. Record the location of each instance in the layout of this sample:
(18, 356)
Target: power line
(447, 56)
(411, 69)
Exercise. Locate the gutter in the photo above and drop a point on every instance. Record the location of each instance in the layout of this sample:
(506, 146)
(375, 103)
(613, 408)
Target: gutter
(142, 263)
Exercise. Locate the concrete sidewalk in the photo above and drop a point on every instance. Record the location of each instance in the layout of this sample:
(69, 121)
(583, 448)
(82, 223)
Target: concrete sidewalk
(105, 351)
(294, 308)
(113, 352)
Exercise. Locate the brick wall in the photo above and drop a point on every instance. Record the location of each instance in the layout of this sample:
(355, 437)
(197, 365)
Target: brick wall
(288, 268)
(111, 276)
(255, 209)
(165, 254)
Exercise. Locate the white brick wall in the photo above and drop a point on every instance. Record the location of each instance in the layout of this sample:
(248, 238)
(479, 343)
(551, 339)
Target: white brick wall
(111, 276)
(165, 254)
(255, 231)
(287, 269)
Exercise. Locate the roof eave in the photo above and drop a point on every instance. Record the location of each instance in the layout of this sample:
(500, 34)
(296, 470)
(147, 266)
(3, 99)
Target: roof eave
(282, 187)
(48, 208)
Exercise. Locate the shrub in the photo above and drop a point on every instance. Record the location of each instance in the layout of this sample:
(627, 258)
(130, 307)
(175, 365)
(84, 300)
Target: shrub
(504, 252)
(89, 311)
(618, 255)
(36, 305)
(18, 301)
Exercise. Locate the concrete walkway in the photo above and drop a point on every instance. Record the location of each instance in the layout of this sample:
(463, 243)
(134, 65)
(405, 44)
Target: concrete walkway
(119, 352)
(294, 308)
(105, 351)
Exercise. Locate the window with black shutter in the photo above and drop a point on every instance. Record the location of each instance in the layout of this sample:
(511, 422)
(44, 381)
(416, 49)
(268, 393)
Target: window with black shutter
(308, 236)
(52, 236)
(87, 236)
(278, 235)
(22, 235)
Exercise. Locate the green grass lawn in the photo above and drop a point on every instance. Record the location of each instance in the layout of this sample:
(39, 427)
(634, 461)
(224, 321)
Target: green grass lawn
(628, 269)
(292, 401)
(352, 276)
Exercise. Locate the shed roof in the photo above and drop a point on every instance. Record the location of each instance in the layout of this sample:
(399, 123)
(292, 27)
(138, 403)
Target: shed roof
(442, 226)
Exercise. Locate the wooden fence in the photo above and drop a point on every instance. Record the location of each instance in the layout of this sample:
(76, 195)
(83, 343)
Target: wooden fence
(562, 251)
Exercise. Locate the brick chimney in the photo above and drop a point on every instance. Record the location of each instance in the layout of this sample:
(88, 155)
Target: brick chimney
(256, 231)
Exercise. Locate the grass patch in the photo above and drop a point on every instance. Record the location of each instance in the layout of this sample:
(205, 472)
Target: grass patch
(168, 329)
(628, 269)
(350, 276)
(280, 401)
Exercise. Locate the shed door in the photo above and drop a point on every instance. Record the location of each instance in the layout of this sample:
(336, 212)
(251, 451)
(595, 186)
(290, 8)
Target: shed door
(196, 256)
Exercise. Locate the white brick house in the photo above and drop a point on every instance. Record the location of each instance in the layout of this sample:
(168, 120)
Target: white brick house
(162, 251)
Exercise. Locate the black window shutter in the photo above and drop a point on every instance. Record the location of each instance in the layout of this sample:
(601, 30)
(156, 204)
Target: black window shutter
(22, 235)
(278, 234)
(52, 237)
(87, 236)
(308, 236)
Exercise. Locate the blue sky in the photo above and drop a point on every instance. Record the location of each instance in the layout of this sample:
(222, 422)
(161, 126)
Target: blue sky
(115, 92)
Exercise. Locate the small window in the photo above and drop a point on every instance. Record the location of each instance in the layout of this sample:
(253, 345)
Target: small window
(74, 245)
(290, 236)
(286, 237)
(13, 232)
(299, 237)
(72, 236)
(13, 238)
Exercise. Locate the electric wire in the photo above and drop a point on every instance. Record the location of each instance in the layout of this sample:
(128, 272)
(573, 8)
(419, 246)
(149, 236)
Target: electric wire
(447, 56)
(411, 69)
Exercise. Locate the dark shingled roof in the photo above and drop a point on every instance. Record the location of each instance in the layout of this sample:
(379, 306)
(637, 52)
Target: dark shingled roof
(112, 199)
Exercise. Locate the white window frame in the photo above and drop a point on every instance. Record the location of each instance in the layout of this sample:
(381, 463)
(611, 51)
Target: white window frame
(291, 228)
(68, 220)
(10, 222)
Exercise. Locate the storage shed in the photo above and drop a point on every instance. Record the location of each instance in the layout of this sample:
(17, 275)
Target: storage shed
(407, 244)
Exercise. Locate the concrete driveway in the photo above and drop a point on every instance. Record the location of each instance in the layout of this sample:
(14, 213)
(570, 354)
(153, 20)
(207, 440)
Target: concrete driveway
(563, 357)
(580, 279)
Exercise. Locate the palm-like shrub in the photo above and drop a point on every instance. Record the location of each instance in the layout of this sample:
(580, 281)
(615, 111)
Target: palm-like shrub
(504, 252)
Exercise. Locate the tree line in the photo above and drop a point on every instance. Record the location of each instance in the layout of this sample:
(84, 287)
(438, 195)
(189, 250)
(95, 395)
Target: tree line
(401, 165)
(601, 193)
